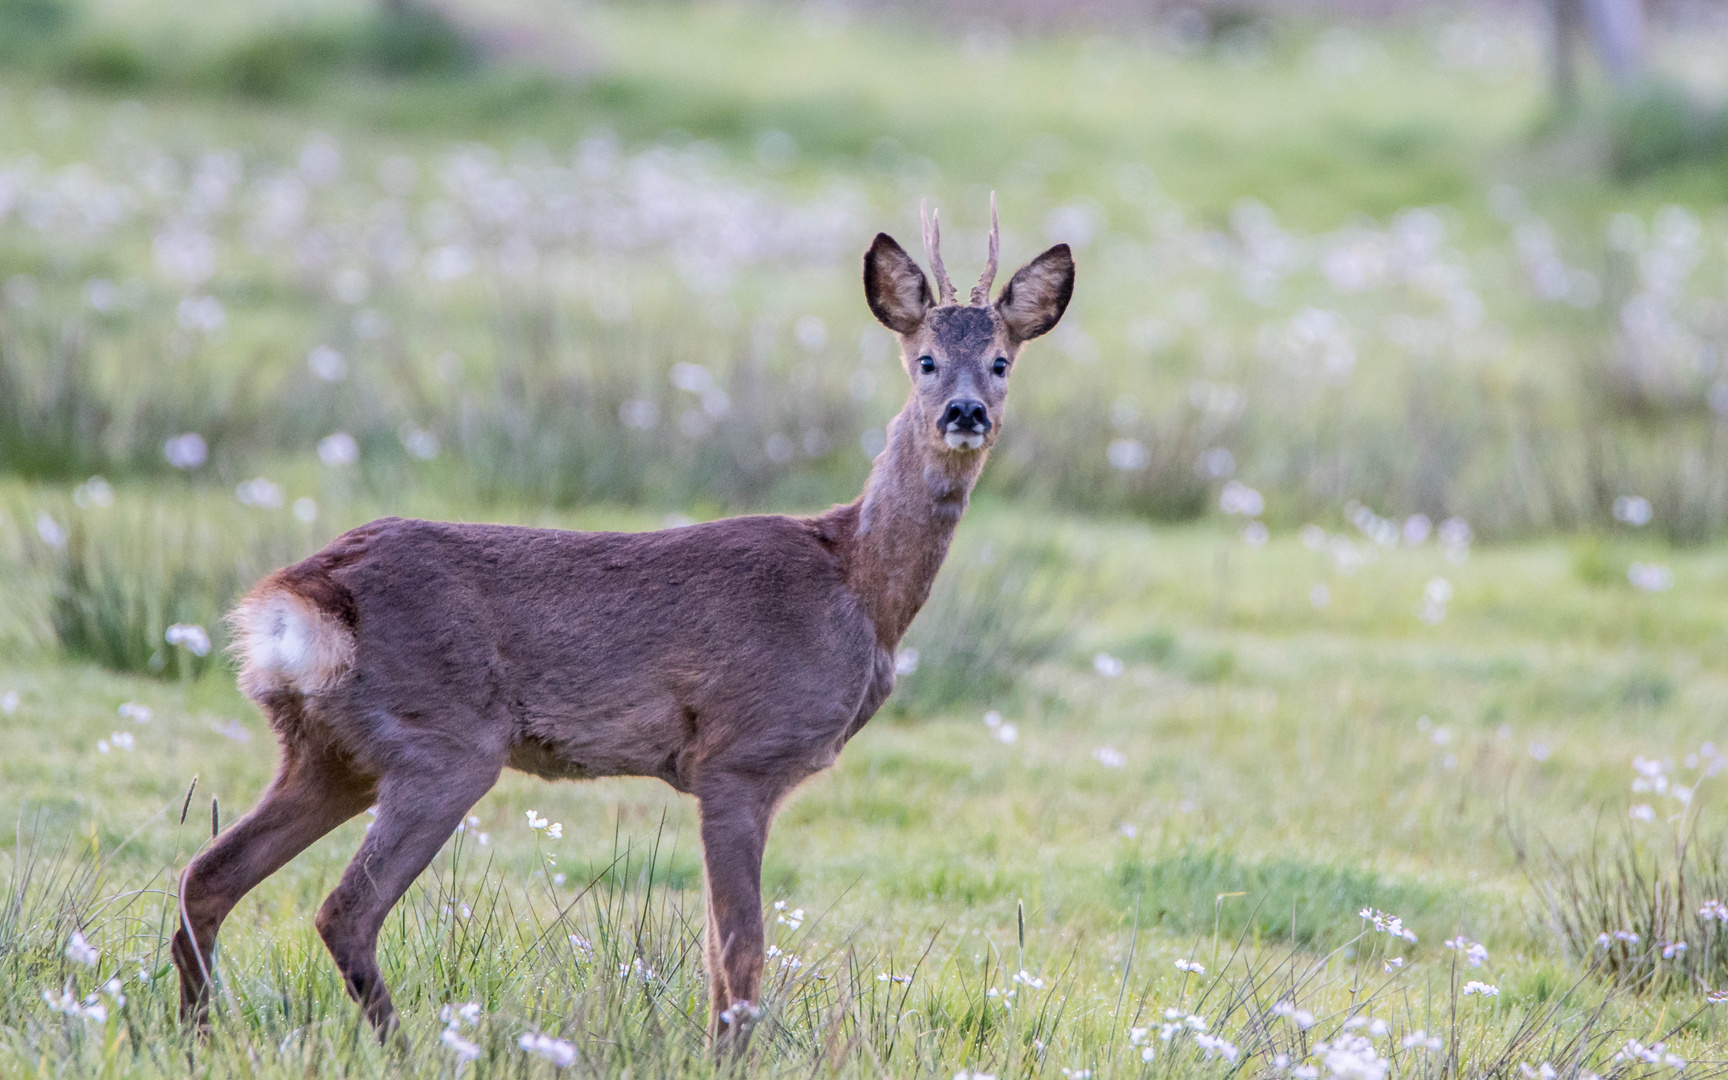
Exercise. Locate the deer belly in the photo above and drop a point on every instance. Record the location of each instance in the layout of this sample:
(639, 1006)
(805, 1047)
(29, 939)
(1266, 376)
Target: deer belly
(644, 741)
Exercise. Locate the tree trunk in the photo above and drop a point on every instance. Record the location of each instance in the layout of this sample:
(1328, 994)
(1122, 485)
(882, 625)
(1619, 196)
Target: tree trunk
(1567, 20)
(1618, 29)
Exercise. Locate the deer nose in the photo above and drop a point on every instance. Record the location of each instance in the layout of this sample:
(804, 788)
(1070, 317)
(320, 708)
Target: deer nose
(965, 414)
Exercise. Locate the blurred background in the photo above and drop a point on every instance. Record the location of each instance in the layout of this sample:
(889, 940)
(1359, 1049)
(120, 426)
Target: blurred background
(1463, 261)
(1436, 268)
(1437, 264)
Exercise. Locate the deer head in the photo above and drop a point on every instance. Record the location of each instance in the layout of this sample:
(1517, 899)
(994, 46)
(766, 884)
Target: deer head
(959, 356)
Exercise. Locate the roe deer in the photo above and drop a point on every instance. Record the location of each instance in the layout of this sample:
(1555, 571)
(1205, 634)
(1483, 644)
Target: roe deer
(407, 663)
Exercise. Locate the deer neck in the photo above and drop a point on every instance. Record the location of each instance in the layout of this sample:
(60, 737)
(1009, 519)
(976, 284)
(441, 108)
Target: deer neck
(905, 519)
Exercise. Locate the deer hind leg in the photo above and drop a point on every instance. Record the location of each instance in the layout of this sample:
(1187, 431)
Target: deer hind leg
(735, 820)
(310, 795)
(417, 812)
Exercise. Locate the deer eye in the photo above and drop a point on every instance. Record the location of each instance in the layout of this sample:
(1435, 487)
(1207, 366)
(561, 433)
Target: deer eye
(926, 364)
(1000, 367)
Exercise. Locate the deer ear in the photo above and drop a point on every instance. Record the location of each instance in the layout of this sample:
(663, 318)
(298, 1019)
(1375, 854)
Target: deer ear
(1036, 296)
(895, 286)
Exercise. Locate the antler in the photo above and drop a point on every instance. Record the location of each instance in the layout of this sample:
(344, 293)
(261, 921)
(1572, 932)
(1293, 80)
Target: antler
(981, 291)
(933, 251)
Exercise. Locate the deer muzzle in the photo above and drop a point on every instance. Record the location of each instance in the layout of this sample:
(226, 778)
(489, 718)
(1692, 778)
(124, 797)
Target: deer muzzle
(964, 424)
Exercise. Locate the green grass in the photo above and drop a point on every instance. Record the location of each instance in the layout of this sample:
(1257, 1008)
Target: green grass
(1270, 797)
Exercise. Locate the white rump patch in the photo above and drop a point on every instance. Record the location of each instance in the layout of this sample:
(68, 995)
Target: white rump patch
(963, 440)
(286, 644)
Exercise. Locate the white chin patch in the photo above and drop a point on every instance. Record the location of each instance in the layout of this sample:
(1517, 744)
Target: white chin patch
(963, 440)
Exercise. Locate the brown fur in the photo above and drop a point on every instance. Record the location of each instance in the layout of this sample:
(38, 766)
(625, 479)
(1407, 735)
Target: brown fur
(409, 662)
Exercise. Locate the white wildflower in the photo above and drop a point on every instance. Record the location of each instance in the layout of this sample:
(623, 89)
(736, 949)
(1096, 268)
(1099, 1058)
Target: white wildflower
(1474, 952)
(560, 1053)
(464, 1049)
(466, 1013)
(189, 636)
(338, 449)
(1240, 499)
(80, 951)
(1476, 987)
(1650, 577)
(1352, 1057)
(52, 532)
(1387, 923)
(1302, 1018)
(1633, 510)
(1216, 1046)
(91, 1008)
(1655, 1054)
(1190, 967)
(327, 364)
(187, 451)
(259, 492)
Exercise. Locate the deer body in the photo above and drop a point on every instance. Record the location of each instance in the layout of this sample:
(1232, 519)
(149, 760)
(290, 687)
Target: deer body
(409, 662)
(578, 655)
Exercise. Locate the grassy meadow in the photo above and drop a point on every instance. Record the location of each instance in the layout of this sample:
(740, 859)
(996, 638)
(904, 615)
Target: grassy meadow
(1332, 652)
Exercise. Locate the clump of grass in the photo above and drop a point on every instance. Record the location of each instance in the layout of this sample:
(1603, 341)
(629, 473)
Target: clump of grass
(415, 38)
(1199, 890)
(995, 611)
(272, 60)
(1647, 917)
(53, 415)
(27, 25)
(1659, 125)
(117, 577)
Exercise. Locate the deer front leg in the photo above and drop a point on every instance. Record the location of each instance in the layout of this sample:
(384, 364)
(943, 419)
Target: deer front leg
(718, 999)
(734, 831)
(415, 818)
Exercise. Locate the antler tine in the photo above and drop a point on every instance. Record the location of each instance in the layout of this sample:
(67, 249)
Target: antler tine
(933, 251)
(981, 291)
